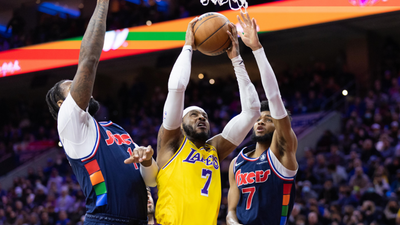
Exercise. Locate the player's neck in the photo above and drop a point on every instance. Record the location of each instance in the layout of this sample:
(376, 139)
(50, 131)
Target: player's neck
(198, 143)
(260, 148)
(150, 218)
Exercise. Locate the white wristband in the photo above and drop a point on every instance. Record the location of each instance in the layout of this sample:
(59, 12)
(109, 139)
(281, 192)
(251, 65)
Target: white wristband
(149, 174)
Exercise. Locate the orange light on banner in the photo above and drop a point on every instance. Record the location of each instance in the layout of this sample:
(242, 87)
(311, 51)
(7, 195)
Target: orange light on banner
(167, 35)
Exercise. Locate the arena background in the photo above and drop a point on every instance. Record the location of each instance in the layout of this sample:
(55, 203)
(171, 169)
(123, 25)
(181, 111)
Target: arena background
(339, 77)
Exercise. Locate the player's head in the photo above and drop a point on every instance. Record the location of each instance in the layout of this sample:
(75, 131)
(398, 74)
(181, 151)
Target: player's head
(57, 94)
(150, 202)
(264, 128)
(195, 123)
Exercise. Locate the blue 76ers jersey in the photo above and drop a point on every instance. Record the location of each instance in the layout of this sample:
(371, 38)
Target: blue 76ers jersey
(110, 186)
(266, 196)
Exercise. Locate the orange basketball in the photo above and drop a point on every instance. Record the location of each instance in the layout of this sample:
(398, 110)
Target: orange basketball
(210, 34)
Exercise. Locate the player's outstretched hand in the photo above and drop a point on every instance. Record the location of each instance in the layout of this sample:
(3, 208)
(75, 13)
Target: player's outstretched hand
(189, 39)
(141, 155)
(233, 51)
(249, 35)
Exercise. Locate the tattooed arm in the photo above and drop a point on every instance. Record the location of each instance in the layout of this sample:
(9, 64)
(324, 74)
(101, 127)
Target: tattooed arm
(89, 56)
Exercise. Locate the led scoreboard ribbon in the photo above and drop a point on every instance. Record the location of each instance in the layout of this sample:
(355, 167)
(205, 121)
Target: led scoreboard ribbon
(167, 35)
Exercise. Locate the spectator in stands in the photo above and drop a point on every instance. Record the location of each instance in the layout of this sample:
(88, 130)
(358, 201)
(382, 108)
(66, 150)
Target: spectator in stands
(368, 150)
(335, 156)
(63, 218)
(329, 193)
(313, 219)
(307, 191)
(368, 210)
(325, 141)
(320, 170)
(345, 196)
(395, 185)
(65, 201)
(359, 180)
(390, 212)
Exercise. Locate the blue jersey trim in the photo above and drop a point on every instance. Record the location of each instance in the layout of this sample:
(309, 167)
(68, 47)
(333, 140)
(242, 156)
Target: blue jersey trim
(106, 124)
(176, 154)
(101, 200)
(96, 146)
(283, 220)
(275, 170)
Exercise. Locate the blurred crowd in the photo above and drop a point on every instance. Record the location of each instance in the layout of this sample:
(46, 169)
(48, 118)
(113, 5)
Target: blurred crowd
(139, 110)
(348, 178)
(49, 195)
(354, 177)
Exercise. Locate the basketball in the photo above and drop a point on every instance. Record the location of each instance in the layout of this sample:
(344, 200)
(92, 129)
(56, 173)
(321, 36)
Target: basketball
(210, 34)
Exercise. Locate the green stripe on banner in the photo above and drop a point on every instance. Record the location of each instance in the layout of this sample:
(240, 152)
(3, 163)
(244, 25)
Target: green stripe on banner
(100, 188)
(156, 36)
(285, 209)
(74, 39)
(148, 36)
(151, 36)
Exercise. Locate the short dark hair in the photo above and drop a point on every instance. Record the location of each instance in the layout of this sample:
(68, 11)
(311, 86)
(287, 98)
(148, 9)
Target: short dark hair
(52, 97)
(265, 107)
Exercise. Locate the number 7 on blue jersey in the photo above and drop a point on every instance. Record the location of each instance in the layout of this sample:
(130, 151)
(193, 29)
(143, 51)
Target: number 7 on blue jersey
(205, 173)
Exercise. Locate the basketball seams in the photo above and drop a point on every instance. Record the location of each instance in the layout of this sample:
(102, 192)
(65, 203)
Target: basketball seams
(215, 52)
(213, 33)
(204, 22)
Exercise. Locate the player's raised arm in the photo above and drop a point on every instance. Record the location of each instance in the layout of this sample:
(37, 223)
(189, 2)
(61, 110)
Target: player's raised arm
(238, 127)
(284, 140)
(89, 56)
(233, 197)
(170, 133)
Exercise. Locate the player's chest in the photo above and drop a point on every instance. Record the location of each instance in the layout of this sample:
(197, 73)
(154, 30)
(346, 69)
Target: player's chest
(252, 172)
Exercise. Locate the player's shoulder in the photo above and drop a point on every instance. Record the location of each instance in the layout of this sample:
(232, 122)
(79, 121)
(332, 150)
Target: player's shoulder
(110, 124)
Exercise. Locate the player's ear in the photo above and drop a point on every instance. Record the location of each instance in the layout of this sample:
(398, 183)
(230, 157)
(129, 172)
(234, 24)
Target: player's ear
(59, 102)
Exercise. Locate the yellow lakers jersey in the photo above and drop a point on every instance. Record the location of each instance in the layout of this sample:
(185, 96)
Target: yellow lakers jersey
(189, 187)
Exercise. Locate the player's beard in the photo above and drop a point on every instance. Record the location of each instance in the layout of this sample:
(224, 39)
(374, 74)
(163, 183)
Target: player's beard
(94, 106)
(266, 138)
(150, 210)
(190, 132)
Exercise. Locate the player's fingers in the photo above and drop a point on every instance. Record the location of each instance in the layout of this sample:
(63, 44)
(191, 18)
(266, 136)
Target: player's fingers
(241, 34)
(230, 36)
(248, 18)
(148, 153)
(128, 161)
(192, 23)
(194, 20)
(234, 30)
(241, 22)
(135, 155)
(141, 154)
(254, 24)
(244, 17)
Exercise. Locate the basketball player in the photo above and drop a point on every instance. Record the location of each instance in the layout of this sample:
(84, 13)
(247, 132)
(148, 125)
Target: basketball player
(189, 184)
(115, 192)
(150, 208)
(262, 176)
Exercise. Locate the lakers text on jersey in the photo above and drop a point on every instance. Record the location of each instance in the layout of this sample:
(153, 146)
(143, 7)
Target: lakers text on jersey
(189, 186)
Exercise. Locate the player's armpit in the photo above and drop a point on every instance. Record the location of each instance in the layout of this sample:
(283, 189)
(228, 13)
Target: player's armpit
(224, 147)
(285, 140)
(284, 143)
(168, 142)
(234, 132)
(233, 197)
